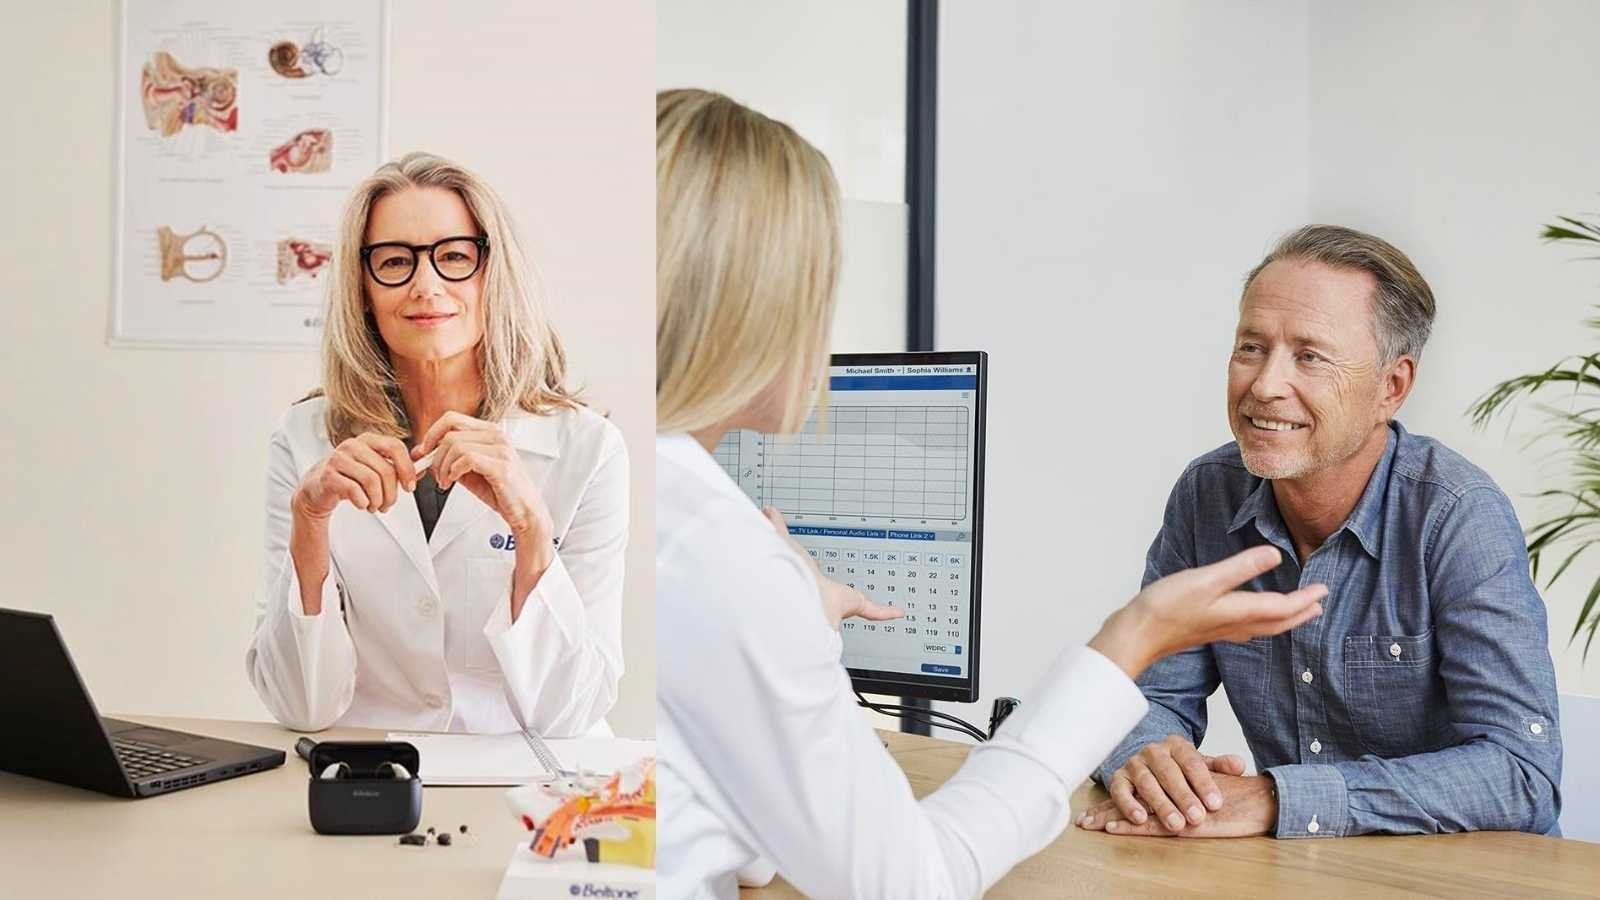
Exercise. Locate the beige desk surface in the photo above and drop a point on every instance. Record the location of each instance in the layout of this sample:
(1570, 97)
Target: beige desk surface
(1089, 864)
(243, 838)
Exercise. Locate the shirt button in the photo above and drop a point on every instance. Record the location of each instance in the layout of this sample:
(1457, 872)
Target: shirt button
(1316, 746)
(1313, 827)
(427, 606)
(1306, 676)
(1536, 728)
(1394, 650)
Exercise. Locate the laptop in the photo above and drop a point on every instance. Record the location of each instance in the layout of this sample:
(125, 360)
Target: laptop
(50, 729)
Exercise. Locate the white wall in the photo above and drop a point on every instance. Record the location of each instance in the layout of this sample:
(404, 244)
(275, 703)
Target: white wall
(836, 72)
(1456, 130)
(1107, 173)
(135, 477)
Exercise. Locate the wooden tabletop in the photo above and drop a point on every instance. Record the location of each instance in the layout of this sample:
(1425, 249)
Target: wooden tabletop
(247, 837)
(1093, 864)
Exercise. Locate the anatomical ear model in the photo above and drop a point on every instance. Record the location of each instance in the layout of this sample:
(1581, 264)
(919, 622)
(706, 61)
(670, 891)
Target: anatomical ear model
(198, 256)
(594, 817)
(175, 95)
(301, 259)
(309, 151)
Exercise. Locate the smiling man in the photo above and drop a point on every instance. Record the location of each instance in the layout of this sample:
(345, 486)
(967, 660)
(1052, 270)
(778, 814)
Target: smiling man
(1423, 699)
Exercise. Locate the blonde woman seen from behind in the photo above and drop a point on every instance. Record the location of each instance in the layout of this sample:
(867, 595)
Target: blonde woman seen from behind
(765, 759)
(445, 521)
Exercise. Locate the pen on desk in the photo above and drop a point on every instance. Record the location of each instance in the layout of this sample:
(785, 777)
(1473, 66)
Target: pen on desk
(541, 752)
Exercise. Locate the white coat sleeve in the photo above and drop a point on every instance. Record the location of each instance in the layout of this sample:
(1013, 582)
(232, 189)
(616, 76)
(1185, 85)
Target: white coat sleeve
(562, 658)
(303, 667)
(754, 689)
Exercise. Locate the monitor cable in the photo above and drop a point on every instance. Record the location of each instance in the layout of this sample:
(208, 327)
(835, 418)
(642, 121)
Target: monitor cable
(1003, 707)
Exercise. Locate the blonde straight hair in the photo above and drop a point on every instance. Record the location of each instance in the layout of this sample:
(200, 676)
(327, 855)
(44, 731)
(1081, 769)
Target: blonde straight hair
(747, 261)
(519, 359)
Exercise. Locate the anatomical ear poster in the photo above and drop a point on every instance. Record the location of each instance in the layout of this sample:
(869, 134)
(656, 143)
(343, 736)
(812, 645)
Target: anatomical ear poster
(242, 128)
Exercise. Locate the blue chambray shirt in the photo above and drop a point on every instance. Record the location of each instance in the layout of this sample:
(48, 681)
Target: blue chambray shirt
(1422, 700)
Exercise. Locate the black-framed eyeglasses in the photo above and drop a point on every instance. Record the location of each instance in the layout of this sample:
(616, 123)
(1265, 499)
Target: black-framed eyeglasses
(392, 263)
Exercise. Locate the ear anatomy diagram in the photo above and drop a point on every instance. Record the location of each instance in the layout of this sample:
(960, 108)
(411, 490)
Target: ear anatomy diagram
(315, 55)
(301, 259)
(309, 151)
(199, 256)
(175, 95)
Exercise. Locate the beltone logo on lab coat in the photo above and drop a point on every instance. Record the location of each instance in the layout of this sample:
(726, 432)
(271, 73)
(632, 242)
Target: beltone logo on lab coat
(509, 542)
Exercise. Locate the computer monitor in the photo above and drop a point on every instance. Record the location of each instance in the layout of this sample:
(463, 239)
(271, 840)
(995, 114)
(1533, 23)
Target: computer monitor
(888, 498)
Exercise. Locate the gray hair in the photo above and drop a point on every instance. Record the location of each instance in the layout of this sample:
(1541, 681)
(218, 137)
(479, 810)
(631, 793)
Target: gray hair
(1402, 302)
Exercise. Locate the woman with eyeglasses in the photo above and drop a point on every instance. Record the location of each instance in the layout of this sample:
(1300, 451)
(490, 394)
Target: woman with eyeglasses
(445, 520)
(765, 762)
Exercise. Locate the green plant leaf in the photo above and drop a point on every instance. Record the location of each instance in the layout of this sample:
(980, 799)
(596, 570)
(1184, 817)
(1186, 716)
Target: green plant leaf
(1503, 393)
(1583, 614)
(1580, 225)
(1557, 233)
(1567, 562)
(1577, 426)
(1554, 531)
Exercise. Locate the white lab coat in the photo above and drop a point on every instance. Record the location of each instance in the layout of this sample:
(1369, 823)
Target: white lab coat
(765, 760)
(425, 639)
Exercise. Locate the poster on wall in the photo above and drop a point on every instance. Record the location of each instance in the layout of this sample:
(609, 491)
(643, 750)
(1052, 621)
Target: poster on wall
(241, 130)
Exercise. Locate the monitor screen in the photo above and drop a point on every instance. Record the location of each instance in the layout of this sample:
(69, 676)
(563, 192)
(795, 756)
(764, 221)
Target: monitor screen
(887, 496)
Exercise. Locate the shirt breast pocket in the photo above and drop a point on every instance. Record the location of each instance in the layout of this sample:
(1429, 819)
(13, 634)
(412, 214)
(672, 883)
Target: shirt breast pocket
(488, 584)
(1395, 707)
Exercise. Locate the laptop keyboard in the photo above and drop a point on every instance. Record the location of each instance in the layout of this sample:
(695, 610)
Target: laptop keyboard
(143, 760)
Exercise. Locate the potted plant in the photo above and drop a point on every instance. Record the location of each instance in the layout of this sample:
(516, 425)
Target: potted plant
(1577, 528)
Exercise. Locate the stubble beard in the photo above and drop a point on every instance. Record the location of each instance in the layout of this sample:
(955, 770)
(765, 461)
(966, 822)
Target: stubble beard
(1298, 464)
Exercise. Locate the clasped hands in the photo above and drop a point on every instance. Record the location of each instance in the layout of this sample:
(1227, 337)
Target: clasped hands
(369, 470)
(1171, 789)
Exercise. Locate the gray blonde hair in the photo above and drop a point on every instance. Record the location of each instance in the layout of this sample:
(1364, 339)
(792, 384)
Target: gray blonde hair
(1402, 302)
(747, 261)
(519, 358)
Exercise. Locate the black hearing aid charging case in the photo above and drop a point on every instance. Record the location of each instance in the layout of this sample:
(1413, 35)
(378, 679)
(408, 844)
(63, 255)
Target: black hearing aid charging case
(367, 799)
